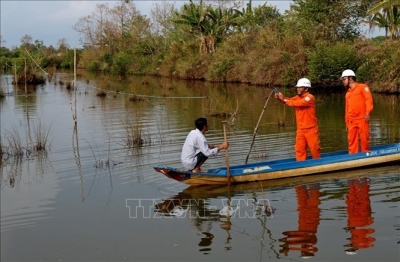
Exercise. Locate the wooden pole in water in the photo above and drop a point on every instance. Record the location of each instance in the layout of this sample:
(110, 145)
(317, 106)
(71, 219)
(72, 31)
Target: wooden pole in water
(26, 89)
(228, 170)
(256, 128)
(15, 75)
(75, 87)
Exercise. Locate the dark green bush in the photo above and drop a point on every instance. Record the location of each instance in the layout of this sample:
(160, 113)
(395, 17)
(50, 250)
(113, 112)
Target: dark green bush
(381, 66)
(120, 63)
(93, 66)
(5, 63)
(326, 62)
(107, 57)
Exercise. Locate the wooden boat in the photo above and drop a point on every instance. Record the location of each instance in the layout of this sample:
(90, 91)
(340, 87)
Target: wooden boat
(285, 168)
(261, 187)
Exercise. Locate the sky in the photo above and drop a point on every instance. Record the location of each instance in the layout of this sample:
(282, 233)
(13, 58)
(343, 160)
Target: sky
(50, 21)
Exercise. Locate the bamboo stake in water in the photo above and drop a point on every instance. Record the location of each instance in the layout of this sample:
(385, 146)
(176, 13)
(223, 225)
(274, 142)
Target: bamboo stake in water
(75, 87)
(258, 123)
(228, 170)
(26, 89)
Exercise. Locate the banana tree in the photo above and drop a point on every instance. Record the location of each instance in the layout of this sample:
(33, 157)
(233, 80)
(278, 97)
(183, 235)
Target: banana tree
(191, 16)
(386, 14)
(207, 24)
(219, 23)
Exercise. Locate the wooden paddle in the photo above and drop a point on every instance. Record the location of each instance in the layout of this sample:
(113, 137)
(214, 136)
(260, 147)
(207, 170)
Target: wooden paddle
(228, 170)
(258, 123)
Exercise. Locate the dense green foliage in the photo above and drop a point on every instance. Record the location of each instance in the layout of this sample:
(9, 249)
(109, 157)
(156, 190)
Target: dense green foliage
(326, 62)
(220, 41)
(333, 20)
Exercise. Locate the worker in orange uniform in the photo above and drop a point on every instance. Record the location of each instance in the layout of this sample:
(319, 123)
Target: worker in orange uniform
(307, 133)
(359, 216)
(359, 105)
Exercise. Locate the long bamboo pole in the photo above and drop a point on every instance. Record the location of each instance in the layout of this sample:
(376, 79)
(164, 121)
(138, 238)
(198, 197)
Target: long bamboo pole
(258, 123)
(228, 170)
(75, 88)
(26, 89)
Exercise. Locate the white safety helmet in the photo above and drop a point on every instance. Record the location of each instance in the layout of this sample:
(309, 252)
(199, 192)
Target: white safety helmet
(303, 82)
(347, 72)
(351, 252)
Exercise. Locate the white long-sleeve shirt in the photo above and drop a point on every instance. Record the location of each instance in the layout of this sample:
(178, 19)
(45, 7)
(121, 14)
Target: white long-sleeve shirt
(195, 142)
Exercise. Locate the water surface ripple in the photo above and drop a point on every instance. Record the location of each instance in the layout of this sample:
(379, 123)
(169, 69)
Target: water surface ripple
(93, 194)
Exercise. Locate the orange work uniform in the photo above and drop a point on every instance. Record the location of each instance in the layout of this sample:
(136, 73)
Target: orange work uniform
(307, 129)
(359, 103)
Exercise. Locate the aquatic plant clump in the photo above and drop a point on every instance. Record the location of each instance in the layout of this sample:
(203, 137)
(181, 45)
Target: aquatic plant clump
(13, 146)
(29, 79)
(2, 93)
(133, 136)
(41, 137)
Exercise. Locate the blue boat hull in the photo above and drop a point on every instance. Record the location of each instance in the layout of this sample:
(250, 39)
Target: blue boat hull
(283, 168)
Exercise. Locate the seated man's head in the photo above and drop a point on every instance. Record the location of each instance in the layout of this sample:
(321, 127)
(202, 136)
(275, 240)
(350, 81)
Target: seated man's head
(201, 123)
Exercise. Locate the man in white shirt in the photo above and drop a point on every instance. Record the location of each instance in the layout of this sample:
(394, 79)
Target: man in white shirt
(196, 149)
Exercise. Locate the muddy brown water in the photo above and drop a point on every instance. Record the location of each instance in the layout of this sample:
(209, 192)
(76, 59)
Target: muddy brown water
(93, 195)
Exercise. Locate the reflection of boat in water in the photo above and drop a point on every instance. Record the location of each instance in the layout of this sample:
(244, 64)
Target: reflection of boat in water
(194, 196)
(284, 168)
(199, 204)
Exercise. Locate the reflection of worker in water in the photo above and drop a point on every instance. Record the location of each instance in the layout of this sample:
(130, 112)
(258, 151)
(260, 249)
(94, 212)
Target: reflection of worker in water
(304, 239)
(359, 216)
